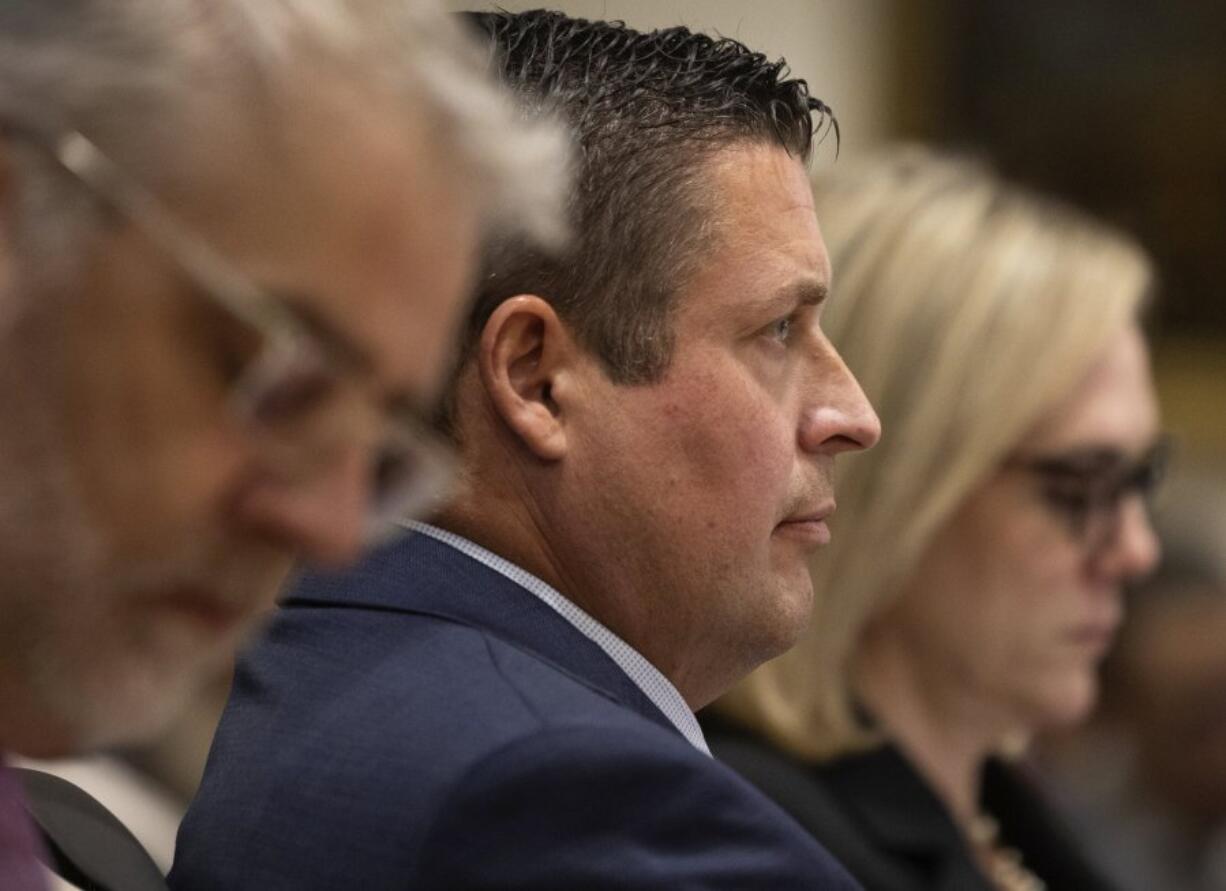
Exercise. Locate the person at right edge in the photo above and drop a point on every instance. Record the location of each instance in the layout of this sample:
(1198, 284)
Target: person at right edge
(974, 580)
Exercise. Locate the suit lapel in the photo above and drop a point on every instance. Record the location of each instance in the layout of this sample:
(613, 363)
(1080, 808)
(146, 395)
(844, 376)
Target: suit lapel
(420, 575)
(894, 806)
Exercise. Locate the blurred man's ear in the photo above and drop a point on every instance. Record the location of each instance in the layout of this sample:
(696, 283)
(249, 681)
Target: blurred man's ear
(525, 359)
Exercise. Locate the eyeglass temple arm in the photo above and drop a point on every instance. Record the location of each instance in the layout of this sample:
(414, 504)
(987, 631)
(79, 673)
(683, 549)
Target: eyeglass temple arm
(84, 161)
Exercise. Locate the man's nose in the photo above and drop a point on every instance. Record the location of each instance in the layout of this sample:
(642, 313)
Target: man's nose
(322, 518)
(837, 416)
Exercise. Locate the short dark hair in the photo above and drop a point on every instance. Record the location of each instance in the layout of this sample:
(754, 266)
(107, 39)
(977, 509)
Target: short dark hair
(645, 111)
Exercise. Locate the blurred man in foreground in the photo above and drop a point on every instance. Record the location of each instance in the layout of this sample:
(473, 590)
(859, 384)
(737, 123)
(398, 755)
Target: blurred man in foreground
(235, 241)
(647, 430)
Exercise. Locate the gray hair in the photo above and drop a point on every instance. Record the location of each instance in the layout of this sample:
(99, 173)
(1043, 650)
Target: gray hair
(136, 76)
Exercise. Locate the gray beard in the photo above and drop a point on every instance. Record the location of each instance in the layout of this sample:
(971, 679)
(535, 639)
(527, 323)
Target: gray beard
(75, 671)
(82, 664)
(48, 544)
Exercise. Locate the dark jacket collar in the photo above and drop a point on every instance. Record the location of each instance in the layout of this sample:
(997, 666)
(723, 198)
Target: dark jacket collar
(894, 804)
(869, 808)
(419, 574)
(876, 812)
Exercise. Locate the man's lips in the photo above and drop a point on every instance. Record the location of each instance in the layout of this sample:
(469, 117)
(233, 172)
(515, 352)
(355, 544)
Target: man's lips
(808, 526)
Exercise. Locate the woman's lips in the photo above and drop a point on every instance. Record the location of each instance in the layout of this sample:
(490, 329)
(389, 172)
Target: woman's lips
(1094, 636)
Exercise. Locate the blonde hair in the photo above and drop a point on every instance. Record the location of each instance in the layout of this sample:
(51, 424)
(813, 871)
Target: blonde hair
(967, 308)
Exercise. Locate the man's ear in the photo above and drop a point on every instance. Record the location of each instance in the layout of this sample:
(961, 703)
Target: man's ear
(526, 356)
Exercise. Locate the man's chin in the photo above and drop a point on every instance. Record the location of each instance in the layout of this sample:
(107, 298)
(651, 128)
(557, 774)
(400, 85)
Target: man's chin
(779, 623)
(794, 605)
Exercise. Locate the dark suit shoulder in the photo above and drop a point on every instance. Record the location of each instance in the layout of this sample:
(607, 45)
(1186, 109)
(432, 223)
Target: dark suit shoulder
(575, 806)
(346, 731)
(426, 723)
(396, 746)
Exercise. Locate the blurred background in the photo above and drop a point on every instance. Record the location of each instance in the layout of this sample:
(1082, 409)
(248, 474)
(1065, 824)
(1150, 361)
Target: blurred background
(1116, 107)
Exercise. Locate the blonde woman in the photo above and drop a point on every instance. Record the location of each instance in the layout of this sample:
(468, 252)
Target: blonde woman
(973, 583)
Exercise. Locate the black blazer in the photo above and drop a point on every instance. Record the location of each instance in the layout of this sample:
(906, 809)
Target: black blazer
(875, 813)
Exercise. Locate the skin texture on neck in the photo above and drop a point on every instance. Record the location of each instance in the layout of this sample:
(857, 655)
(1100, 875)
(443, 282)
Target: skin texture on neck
(500, 500)
(507, 500)
(496, 516)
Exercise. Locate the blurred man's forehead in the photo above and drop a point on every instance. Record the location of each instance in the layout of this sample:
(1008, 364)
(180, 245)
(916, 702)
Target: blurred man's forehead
(351, 216)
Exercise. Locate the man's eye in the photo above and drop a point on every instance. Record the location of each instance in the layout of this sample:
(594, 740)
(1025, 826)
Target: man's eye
(781, 330)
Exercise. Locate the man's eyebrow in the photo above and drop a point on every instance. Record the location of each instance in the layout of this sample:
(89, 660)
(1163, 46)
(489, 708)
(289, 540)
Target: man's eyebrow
(802, 292)
(811, 292)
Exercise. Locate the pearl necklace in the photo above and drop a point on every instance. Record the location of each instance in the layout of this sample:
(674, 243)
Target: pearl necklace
(1003, 865)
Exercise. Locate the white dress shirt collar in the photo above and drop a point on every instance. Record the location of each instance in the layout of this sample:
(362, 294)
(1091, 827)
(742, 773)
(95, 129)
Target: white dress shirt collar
(645, 676)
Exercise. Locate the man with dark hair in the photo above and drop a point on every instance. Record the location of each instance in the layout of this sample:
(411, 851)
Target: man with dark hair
(646, 431)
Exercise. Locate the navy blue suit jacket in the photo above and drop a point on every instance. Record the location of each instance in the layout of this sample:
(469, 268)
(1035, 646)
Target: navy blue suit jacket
(424, 723)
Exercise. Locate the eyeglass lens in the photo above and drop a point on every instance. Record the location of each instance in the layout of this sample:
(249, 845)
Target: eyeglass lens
(1089, 489)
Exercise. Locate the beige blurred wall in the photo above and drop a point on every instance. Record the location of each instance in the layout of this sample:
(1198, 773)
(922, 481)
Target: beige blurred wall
(841, 47)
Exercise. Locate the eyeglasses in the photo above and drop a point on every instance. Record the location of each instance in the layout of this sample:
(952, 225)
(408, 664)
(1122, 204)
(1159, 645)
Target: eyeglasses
(307, 395)
(1087, 488)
